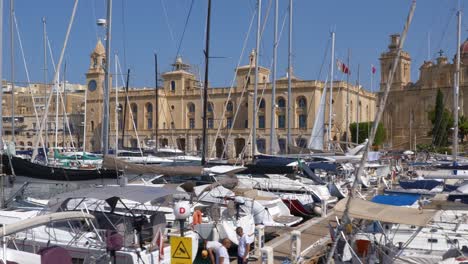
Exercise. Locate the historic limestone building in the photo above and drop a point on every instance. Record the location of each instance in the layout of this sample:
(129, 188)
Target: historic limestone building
(32, 99)
(229, 110)
(406, 113)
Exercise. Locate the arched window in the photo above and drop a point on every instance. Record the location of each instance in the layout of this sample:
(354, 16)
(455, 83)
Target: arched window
(281, 102)
(210, 107)
(301, 102)
(229, 107)
(191, 107)
(92, 126)
(149, 115)
(94, 62)
(173, 86)
(134, 108)
(262, 104)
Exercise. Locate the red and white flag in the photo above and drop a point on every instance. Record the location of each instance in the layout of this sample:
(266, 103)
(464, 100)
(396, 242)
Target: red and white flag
(373, 69)
(342, 67)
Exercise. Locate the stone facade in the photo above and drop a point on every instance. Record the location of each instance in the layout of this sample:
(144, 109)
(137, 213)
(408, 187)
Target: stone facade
(180, 110)
(27, 123)
(405, 116)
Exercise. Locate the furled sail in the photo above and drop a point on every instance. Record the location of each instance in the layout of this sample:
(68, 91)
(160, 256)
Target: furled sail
(316, 137)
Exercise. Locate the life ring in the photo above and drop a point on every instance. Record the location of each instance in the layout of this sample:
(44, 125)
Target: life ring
(197, 217)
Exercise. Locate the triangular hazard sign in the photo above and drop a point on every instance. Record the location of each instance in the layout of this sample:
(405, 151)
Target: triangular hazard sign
(181, 252)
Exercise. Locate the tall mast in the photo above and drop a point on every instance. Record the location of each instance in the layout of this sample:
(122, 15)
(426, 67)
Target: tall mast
(330, 114)
(1, 77)
(46, 129)
(456, 91)
(273, 87)
(357, 105)
(64, 110)
(288, 141)
(117, 109)
(205, 84)
(105, 119)
(347, 102)
(156, 98)
(254, 105)
(12, 65)
(124, 125)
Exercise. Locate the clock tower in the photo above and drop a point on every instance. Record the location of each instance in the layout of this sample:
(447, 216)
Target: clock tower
(95, 75)
(95, 89)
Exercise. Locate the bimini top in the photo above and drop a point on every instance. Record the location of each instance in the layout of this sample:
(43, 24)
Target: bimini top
(111, 194)
(362, 209)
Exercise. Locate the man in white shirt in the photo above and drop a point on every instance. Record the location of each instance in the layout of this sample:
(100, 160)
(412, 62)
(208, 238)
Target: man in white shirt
(212, 248)
(222, 256)
(243, 247)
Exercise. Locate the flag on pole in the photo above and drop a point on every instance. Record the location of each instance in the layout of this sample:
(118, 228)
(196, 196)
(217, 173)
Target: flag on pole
(342, 67)
(373, 69)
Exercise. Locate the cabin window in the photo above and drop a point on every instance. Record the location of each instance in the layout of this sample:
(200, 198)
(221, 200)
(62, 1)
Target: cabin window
(192, 123)
(432, 240)
(302, 121)
(281, 121)
(261, 121)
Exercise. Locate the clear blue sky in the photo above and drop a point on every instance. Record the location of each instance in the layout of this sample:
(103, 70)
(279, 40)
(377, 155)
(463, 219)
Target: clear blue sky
(142, 27)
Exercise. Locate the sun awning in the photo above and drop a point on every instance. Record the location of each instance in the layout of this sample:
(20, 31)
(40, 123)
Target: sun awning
(363, 209)
(137, 193)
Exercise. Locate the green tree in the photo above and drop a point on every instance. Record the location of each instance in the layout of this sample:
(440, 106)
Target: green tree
(462, 127)
(364, 130)
(441, 120)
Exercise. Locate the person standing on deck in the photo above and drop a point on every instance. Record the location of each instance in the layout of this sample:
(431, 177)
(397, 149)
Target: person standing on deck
(243, 247)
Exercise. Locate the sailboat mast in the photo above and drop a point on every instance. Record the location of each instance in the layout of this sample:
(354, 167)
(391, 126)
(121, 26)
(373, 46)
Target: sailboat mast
(254, 105)
(357, 105)
(330, 114)
(456, 89)
(156, 106)
(205, 84)
(1, 79)
(46, 129)
(124, 127)
(117, 109)
(347, 102)
(64, 110)
(105, 119)
(273, 87)
(288, 141)
(12, 65)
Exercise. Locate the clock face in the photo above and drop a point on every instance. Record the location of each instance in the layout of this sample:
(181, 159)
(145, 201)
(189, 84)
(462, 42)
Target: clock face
(92, 85)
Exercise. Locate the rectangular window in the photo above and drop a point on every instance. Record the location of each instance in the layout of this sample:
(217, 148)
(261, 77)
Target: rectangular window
(246, 124)
(229, 122)
(281, 121)
(261, 121)
(210, 122)
(192, 123)
(303, 121)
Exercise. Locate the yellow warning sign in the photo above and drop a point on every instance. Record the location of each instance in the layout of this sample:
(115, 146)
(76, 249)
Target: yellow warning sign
(181, 250)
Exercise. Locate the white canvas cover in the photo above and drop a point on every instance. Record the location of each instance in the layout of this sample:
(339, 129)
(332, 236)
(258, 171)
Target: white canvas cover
(316, 137)
(363, 209)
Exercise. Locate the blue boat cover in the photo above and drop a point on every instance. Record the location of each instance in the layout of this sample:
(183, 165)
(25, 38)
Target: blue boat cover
(396, 200)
